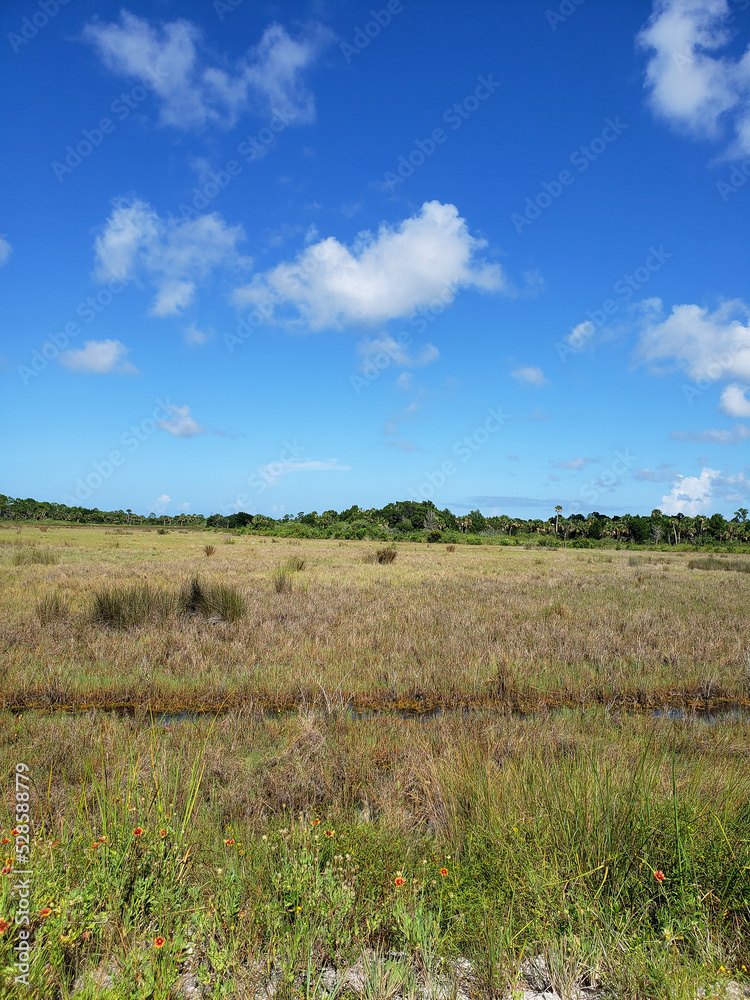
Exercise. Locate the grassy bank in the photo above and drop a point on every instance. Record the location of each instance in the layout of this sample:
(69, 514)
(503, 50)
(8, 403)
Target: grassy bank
(247, 846)
(477, 625)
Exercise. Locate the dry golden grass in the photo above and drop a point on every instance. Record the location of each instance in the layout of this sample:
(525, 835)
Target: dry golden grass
(483, 625)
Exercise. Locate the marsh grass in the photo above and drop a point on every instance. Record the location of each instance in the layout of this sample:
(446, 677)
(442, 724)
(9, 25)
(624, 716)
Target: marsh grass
(51, 608)
(33, 556)
(277, 848)
(209, 549)
(715, 562)
(211, 600)
(128, 607)
(385, 555)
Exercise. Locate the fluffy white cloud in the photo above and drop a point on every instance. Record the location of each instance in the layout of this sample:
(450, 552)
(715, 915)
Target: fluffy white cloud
(708, 346)
(5, 250)
(181, 423)
(425, 259)
(690, 83)
(530, 374)
(736, 435)
(734, 402)
(690, 495)
(173, 254)
(580, 335)
(398, 353)
(99, 357)
(192, 94)
(161, 503)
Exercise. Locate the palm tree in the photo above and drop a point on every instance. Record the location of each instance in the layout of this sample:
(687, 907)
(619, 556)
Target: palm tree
(558, 512)
(741, 514)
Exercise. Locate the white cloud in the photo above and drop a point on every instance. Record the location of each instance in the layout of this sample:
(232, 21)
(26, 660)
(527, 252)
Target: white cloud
(580, 335)
(99, 357)
(734, 402)
(691, 495)
(404, 380)
(736, 435)
(161, 503)
(272, 472)
(530, 374)
(576, 463)
(173, 254)
(5, 250)
(194, 336)
(182, 424)
(708, 346)
(690, 83)
(425, 259)
(191, 93)
(398, 353)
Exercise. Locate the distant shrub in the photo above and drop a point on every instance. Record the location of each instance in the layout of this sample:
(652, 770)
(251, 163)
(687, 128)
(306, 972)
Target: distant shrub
(473, 540)
(51, 608)
(385, 555)
(163, 531)
(29, 556)
(581, 543)
(434, 536)
(229, 541)
(209, 549)
(450, 548)
(295, 564)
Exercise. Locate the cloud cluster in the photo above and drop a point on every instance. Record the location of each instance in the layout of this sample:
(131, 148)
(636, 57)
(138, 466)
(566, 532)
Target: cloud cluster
(193, 94)
(172, 254)
(690, 82)
(99, 357)
(5, 250)
(706, 345)
(272, 472)
(181, 424)
(736, 435)
(530, 374)
(398, 353)
(425, 259)
(576, 463)
(693, 495)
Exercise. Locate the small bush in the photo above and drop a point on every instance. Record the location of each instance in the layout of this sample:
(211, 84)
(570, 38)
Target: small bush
(42, 527)
(282, 582)
(385, 555)
(44, 557)
(51, 608)
(128, 607)
(211, 600)
(163, 531)
(434, 536)
(229, 541)
(295, 564)
(209, 549)
(450, 548)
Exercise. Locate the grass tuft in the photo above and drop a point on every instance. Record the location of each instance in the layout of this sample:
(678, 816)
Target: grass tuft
(30, 556)
(51, 608)
(211, 600)
(209, 549)
(123, 607)
(712, 562)
(386, 555)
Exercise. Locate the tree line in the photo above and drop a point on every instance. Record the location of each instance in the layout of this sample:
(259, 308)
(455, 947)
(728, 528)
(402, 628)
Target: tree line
(419, 521)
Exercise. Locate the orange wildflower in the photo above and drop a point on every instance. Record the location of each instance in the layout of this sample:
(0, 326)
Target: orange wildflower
(398, 881)
(443, 872)
(159, 942)
(138, 832)
(4, 925)
(659, 876)
(45, 912)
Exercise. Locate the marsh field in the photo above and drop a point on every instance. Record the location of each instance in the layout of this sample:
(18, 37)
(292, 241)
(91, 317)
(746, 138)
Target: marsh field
(266, 767)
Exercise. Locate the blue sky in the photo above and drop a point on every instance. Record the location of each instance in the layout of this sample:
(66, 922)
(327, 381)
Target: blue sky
(285, 257)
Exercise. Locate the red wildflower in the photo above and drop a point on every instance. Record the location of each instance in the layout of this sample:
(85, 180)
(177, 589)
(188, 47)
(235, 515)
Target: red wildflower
(659, 876)
(162, 833)
(4, 925)
(45, 912)
(5, 871)
(443, 872)
(138, 832)
(316, 822)
(5, 840)
(329, 833)
(159, 942)
(398, 881)
(14, 832)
